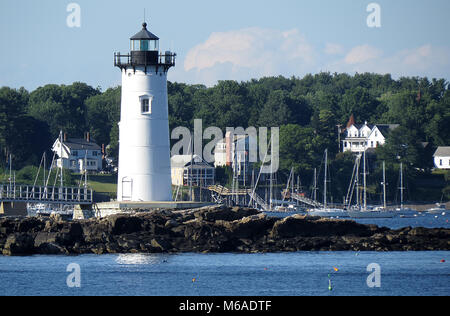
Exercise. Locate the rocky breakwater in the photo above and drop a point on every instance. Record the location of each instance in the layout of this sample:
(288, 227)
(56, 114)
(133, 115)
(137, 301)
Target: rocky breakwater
(211, 229)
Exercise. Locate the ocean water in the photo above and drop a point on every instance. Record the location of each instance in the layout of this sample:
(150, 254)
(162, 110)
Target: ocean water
(279, 274)
(421, 220)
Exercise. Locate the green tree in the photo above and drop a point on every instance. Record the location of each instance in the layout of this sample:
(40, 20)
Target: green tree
(62, 107)
(103, 112)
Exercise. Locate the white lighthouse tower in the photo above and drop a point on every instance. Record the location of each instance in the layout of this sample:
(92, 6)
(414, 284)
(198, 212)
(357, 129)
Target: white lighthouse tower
(144, 149)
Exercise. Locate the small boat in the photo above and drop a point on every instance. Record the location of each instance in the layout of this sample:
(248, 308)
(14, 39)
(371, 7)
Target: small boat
(378, 212)
(439, 209)
(39, 209)
(327, 212)
(403, 211)
(406, 212)
(366, 211)
(291, 208)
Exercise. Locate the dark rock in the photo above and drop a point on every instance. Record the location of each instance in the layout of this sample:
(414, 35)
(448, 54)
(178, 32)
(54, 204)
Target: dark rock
(209, 229)
(30, 225)
(212, 214)
(19, 244)
(51, 249)
(161, 244)
(44, 238)
(124, 224)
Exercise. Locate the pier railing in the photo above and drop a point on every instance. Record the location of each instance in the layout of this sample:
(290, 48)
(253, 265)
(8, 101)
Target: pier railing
(37, 194)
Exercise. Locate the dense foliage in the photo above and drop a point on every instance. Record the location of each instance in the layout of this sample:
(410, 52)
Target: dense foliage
(307, 110)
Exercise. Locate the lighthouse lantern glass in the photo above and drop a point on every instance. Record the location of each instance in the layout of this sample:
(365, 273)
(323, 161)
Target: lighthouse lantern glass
(144, 45)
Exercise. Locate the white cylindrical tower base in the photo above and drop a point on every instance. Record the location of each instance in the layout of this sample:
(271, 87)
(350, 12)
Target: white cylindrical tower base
(144, 147)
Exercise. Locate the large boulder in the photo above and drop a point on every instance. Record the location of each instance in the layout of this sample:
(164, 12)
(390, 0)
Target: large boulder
(304, 226)
(51, 249)
(212, 214)
(44, 238)
(124, 224)
(248, 227)
(19, 244)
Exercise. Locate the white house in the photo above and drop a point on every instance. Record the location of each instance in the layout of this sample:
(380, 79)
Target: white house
(442, 158)
(200, 173)
(359, 138)
(78, 154)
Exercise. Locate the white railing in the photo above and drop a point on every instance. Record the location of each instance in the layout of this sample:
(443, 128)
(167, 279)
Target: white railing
(29, 193)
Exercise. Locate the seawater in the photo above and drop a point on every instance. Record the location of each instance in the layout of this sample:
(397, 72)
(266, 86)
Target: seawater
(421, 220)
(275, 274)
(279, 274)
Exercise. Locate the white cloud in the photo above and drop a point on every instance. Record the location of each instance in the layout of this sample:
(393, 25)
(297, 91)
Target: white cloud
(362, 54)
(424, 60)
(257, 52)
(249, 53)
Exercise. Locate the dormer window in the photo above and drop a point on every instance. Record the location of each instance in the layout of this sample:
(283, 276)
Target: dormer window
(146, 104)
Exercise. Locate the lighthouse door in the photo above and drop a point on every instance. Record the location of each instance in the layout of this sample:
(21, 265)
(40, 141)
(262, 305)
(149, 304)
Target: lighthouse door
(127, 188)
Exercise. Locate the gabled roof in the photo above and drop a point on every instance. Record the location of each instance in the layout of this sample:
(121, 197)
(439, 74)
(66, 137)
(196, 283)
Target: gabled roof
(180, 161)
(386, 128)
(442, 152)
(144, 34)
(81, 144)
(351, 121)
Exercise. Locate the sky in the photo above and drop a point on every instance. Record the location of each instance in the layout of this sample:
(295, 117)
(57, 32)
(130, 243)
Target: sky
(223, 40)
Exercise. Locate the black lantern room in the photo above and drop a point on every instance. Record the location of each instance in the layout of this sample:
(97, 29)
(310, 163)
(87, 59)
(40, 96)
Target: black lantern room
(144, 51)
(144, 47)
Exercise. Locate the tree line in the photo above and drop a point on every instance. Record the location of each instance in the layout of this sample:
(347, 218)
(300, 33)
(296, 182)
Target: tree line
(307, 110)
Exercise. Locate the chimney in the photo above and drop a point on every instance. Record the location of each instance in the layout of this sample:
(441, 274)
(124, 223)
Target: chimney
(88, 138)
(65, 137)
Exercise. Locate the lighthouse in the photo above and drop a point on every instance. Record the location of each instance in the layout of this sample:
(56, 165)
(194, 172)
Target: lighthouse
(144, 149)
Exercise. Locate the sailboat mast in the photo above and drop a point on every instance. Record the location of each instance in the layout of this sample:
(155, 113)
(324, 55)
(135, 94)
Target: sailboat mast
(45, 163)
(325, 180)
(271, 179)
(292, 185)
(401, 185)
(61, 158)
(10, 172)
(315, 185)
(384, 185)
(364, 180)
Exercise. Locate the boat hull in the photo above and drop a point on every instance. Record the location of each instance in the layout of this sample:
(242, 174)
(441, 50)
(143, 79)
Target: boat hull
(371, 214)
(328, 213)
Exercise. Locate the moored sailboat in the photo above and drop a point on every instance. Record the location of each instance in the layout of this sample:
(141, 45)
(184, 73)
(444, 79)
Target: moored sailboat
(326, 211)
(364, 211)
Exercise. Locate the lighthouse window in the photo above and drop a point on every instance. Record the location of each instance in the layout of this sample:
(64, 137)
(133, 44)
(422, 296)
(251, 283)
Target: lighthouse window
(144, 45)
(145, 106)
